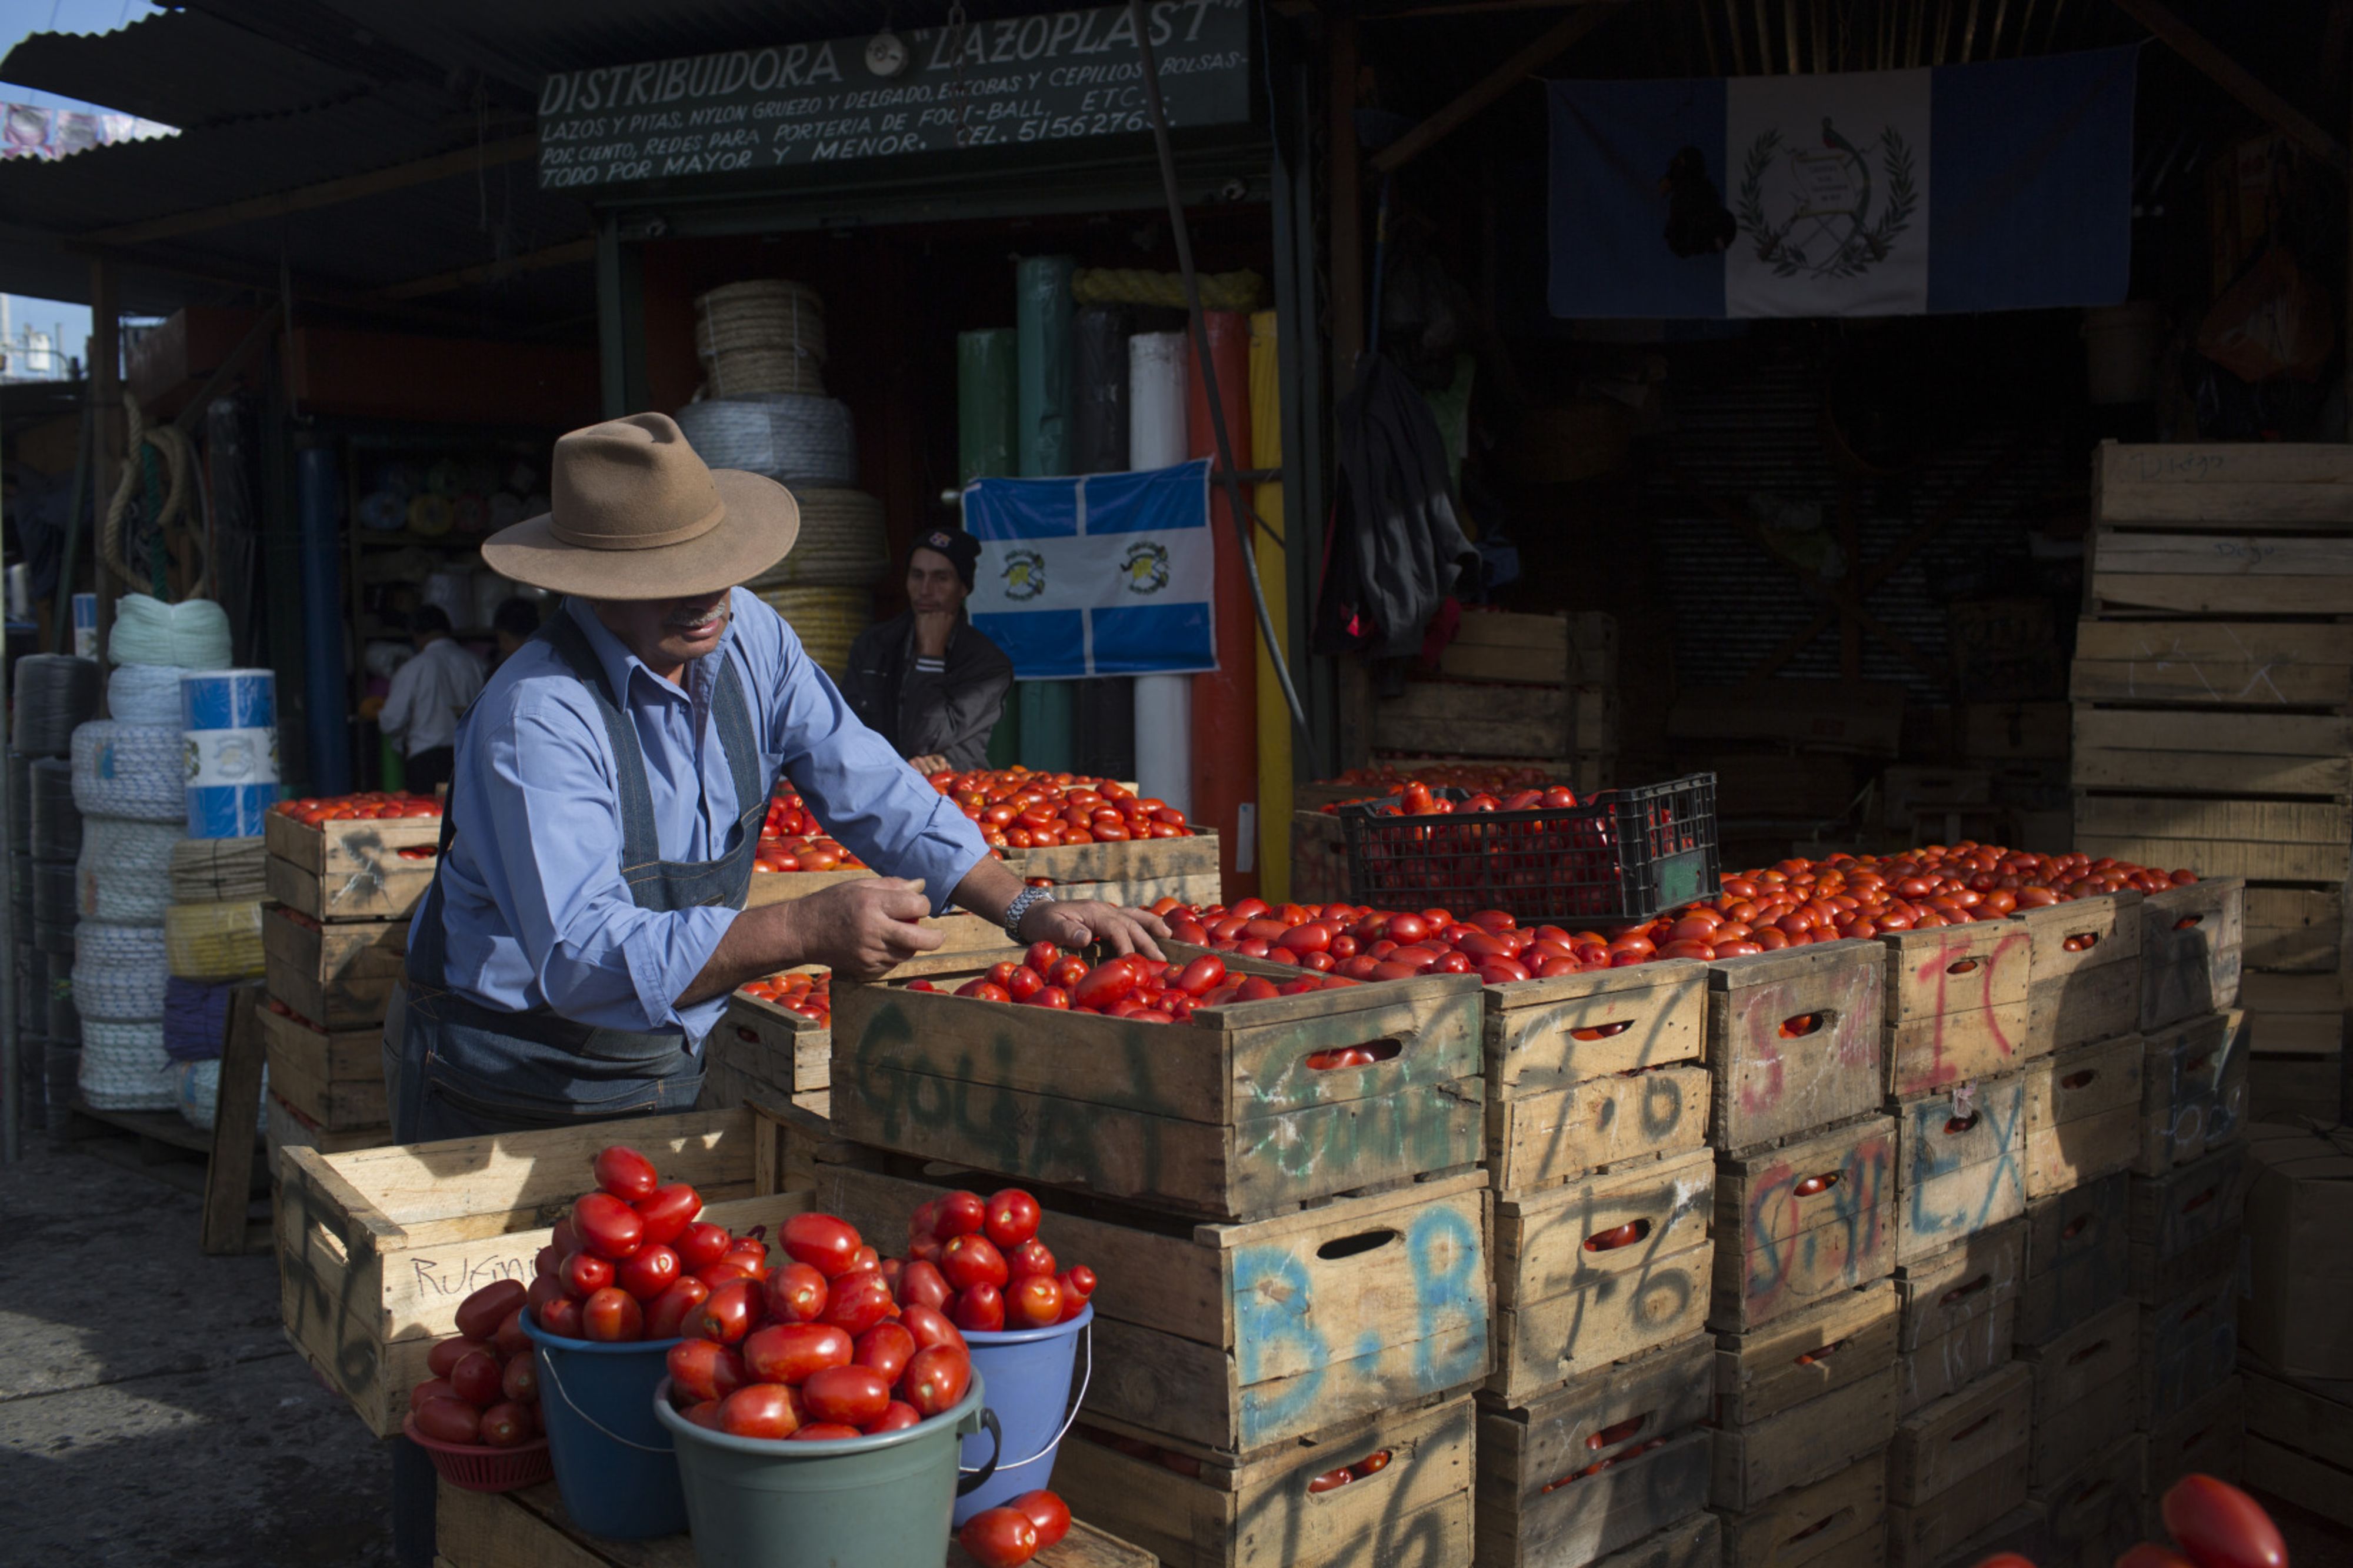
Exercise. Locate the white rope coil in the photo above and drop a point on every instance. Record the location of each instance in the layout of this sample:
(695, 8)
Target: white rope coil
(827, 621)
(118, 974)
(54, 693)
(123, 1066)
(841, 543)
(139, 772)
(55, 830)
(199, 1093)
(193, 635)
(765, 335)
(218, 870)
(145, 694)
(789, 437)
(126, 870)
(214, 942)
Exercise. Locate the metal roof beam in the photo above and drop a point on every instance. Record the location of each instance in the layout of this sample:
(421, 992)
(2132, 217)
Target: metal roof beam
(565, 254)
(2234, 79)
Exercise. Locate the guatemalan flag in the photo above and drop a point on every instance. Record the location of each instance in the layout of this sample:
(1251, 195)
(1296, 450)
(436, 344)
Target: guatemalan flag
(2000, 186)
(1109, 575)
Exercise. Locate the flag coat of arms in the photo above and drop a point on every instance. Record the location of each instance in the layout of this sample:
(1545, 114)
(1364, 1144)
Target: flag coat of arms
(2006, 185)
(1106, 574)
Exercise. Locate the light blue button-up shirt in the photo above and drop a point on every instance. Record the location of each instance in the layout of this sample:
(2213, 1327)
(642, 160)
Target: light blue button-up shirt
(537, 914)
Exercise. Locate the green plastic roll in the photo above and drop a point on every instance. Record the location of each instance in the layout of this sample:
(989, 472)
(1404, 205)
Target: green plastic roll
(987, 403)
(1043, 310)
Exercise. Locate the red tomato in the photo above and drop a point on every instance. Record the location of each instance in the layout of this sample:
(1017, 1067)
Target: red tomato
(480, 1314)
(980, 1308)
(896, 1417)
(1202, 975)
(2215, 1523)
(510, 1341)
(853, 1395)
(704, 1371)
(1023, 983)
(1068, 971)
(961, 1214)
(1041, 956)
(583, 1274)
(476, 1377)
(1107, 984)
(667, 1313)
(826, 1432)
(825, 1243)
(432, 1388)
(792, 1353)
(701, 1246)
(728, 1313)
(858, 1302)
(999, 1538)
(1050, 1513)
(612, 1316)
(1030, 1259)
(921, 1284)
(1035, 1302)
(887, 1347)
(1012, 1218)
(447, 1353)
(626, 1173)
(506, 1425)
(560, 1317)
(668, 1212)
(930, 1328)
(449, 1421)
(796, 1293)
(2149, 1555)
(650, 1271)
(969, 1261)
(759, 1410)
(608, 1226)
(1330, 1480)
(519, 1381)
(935, 1380)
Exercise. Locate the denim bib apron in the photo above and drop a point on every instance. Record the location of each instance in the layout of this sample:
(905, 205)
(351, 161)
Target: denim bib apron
(467, 1070)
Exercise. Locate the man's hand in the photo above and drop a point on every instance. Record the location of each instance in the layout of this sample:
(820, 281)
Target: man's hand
(864, 927)
(1076, 924)
(927, 764)
(932, 630)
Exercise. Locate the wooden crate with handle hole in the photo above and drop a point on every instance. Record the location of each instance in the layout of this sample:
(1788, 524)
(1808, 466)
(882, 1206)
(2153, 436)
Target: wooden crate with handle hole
(1839, 1522)
(1804, 1444)
(339, 976)
(2078, 1256)
(2083, 971)
(2191, 943)
(1803, 1223)
(334, 1078)
(1849, 1338)
(2207, 1436)
(2188, 1223)
(2083, 1114)
(1957, 1004)
(1960, 1164)
(370, 869)
(2092, 1515)
(1794, 1040)
(1961, 1284)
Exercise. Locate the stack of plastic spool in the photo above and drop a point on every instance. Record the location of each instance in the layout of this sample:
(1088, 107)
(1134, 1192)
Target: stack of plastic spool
(130, 781)
(53, 695)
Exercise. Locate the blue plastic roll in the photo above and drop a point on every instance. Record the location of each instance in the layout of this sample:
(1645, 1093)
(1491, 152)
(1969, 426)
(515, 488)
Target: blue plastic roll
(230, 717)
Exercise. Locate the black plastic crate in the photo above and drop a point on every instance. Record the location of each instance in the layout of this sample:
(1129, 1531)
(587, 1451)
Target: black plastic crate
(1622, 855)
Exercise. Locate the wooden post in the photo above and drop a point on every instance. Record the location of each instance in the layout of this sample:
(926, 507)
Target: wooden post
(1354, 729)
(228, 1176)
(106, 413)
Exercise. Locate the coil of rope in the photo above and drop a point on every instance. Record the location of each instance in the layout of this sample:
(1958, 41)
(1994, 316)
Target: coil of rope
(176, 455)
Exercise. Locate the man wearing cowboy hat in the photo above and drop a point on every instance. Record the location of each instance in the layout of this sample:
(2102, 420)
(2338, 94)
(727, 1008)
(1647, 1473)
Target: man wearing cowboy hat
(587, 921)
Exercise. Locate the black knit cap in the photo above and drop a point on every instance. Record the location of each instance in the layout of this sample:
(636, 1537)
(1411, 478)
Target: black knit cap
(958, 546)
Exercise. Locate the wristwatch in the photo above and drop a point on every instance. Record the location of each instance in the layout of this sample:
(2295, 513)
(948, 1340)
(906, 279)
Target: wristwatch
(1022, 903)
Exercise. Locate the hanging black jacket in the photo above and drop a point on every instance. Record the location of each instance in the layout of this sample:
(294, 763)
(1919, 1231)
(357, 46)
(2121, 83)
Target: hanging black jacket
(1396, 547)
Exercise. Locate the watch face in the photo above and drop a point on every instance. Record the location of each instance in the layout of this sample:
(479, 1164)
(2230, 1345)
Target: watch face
(885, 54)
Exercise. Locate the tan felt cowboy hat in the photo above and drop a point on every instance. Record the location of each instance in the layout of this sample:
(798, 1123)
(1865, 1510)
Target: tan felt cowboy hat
(634, 514)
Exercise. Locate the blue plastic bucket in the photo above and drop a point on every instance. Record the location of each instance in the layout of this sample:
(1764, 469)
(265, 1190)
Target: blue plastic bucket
(756, 1503)
(614, 1461)
(1028, 1377)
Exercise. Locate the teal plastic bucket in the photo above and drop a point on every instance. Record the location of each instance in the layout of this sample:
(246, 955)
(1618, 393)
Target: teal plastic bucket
(1030, 1371)
(613, 1460)
(757, 1502)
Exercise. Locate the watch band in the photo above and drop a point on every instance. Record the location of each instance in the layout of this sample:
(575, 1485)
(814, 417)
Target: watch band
(1022, 903)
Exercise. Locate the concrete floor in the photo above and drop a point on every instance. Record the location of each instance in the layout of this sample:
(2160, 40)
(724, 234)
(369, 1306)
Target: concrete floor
(151, 1410)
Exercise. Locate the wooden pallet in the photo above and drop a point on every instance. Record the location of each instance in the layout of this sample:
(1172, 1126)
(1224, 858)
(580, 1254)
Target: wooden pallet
(2083, 1113)
(1794, 1040)
(2078, 1256)
(1221, 1117)
(1960, 1164)
(1803, 1223)
(339, 976)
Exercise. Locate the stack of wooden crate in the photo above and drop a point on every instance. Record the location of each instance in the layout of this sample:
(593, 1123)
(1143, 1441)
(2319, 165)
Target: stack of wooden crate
(334, 947)
(1592, 1432)
(1515, 688)
(2214, 690)
(1803, 1308)
(1293, 1255)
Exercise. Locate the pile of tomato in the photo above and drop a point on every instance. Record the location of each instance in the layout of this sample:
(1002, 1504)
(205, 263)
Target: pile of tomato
(1353, 941)
(1018, 809)
(482, 1388)
(312, 810)
(1128, 987)
(810, 995)
(792, 839)
(1386, 779)
(2213, 1524)
(631, 1261)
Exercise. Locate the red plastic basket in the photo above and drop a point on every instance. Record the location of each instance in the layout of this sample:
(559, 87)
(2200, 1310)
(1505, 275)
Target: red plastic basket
(485, 1469)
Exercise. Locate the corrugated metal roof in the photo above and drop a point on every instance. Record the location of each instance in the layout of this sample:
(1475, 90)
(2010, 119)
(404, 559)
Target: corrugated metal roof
(183, 68)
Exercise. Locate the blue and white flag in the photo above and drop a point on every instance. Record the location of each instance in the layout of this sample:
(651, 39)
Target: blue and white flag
(2001, 186)
(1109, 575)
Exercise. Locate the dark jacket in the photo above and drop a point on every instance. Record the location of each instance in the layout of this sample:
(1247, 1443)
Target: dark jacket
(920, 714)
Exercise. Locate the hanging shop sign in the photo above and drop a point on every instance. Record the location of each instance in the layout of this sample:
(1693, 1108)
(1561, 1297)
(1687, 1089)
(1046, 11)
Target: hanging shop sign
(1068, 75)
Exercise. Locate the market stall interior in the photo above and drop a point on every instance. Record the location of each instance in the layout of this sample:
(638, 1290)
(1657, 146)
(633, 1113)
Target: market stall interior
(1721, 634)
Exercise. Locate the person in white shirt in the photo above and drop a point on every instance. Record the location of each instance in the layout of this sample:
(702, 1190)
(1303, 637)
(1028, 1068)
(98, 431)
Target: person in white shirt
(429, 693)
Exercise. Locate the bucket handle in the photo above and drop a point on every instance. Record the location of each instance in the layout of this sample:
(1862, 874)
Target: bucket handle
(1068, 1422)
(973, 1480)
(547, 1366)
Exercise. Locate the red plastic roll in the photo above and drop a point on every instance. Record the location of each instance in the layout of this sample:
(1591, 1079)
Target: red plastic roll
(1224, 703)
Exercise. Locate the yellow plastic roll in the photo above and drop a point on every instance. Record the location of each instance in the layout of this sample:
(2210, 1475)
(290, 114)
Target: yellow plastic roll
(1133, 285)
(214, 942)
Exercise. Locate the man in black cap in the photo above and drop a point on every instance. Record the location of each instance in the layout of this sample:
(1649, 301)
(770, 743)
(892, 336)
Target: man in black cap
(925, 679)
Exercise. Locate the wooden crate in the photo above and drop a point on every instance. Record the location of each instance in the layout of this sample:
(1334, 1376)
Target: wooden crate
(2195, 664)
(1834, 1522)
(2083, 1114)
(2078, 1256)
(1924, 1534)
(2190, 945)
(529, 1528)
(1498, 645)
(2298, 931)
(2071, 1367)
(773, 1049)
(335, 1078)
(349, 870)
(377, 1247)
(2274, 840)
(1961, 1284)
(1261, 1514)
(1803, 1443)
(1960, 1164)
(1235, 1338)
(1693, 1543)
(2294, 1015)
(2083, 971)
(1548, 1491)
(1588, 1070)
(2106, 1416)
(2207, 1436)
(2090, 1517)
(1221, 1116)
(2299, 1442)
(1794, 1040)
(2277, 484)
(1319, 857)
(1954, 1359)
(1133, 860)
(2281, 1088)
(1534, 723)
(1937, 1448)
(2245, 566)
(1849, 1337)
(1804, 1222)
(1563, 1308)
(339, 976)
(284, 1128)
(1956, 1004)
(1200, 890)
(2186, 1224)
(2188, 1348)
